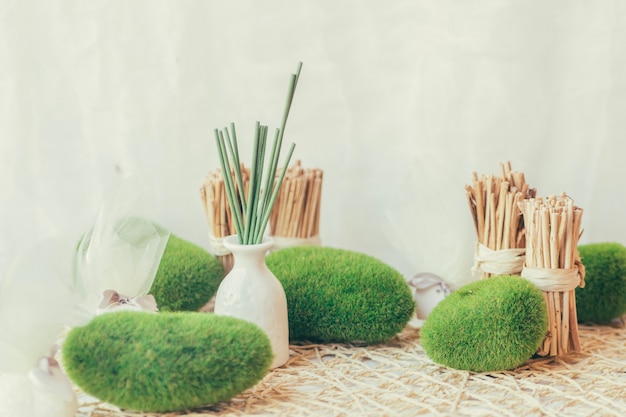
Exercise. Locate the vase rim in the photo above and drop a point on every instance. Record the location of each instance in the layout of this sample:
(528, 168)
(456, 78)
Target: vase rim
(232, 241)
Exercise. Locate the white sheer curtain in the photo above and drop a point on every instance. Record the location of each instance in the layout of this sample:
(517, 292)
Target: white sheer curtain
(398, 102)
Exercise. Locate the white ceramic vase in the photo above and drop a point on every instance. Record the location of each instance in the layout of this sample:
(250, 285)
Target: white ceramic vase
(251, 292)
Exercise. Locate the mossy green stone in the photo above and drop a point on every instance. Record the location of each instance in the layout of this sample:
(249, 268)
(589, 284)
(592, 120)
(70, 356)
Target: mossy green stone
(489, 325)
(161, 362)
(603, 298)
(187, 278)
(337, 295)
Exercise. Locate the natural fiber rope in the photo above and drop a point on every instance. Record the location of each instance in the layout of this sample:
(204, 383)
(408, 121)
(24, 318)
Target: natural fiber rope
(553, 279)
(398, 379)
(216, 247)
(281, 242)
(498, 262)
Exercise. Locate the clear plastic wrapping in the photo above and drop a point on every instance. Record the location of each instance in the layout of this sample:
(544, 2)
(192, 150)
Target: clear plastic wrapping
(121, 253)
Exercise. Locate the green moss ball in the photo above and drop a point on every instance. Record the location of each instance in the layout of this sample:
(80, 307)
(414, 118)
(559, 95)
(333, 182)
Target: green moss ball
(161, 362)
(489, 325)
(187, 278)
(336, 295)
(603, 298)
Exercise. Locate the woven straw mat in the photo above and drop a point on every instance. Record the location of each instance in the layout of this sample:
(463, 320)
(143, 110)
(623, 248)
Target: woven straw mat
(398, 379)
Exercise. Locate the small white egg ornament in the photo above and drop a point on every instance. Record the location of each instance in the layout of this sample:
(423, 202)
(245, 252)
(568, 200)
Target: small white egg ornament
(36, 303)
(45, 391)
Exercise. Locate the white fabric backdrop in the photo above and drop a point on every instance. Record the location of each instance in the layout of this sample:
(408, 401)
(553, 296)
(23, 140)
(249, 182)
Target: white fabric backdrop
(398, 102)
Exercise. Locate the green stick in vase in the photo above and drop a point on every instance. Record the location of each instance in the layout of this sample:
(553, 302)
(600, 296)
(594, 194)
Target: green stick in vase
(252, 212)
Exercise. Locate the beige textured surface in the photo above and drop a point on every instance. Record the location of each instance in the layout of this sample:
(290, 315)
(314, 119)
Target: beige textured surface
(398, 379)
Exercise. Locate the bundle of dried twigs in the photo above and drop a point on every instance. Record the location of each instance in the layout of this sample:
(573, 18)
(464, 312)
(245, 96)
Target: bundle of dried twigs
(553, 264)
(296, 213)
(218, 213)
(499, 225)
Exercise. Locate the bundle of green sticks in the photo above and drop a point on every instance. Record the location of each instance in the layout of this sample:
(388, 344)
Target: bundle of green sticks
(295, 217)
(250, 194)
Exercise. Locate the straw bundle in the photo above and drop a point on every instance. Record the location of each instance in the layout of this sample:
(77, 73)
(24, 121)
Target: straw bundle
(553, 264)
(499, 225)
(218, 213)
(296, 214)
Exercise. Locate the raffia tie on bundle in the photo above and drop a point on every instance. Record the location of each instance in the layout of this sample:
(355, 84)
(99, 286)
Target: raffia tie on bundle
(216, 246)
(498, 262)
(281, 242)
(556, 279)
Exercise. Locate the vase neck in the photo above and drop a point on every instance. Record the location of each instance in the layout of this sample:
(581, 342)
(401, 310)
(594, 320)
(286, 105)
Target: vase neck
(243, 254)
